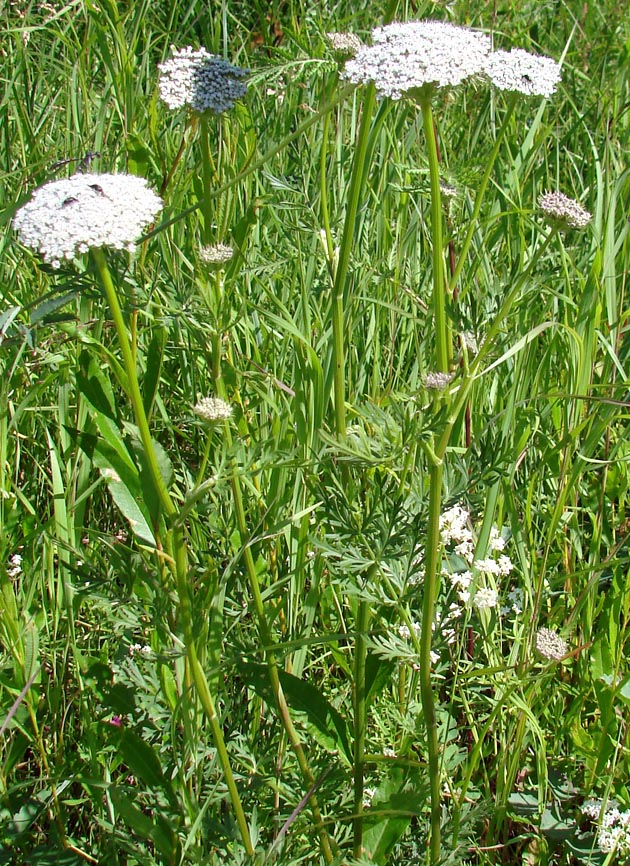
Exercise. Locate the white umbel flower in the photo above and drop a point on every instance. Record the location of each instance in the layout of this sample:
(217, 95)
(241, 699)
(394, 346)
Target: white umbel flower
(434, 381)
(406, 57)
(563, 212)
(519, 71)
(211, 409)
(200, 80)
(218, 254)
(345, 44)
(68, 217)
(550, 645)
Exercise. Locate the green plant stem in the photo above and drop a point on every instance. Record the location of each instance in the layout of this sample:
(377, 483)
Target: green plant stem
(431, 590)
(131, 385)
(175, 543)
(444, 349)
(341, 273)
(360, 656)
(207, 173)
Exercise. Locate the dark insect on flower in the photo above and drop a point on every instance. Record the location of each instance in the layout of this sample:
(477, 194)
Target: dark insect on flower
(97, 188)
(84, 161)
(70, 200)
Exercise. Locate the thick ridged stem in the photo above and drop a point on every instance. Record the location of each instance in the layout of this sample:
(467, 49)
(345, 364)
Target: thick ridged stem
(175, 543)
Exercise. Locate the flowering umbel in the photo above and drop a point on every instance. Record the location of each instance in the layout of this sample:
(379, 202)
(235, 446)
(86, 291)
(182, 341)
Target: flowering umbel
(212, 409)
(550, 645)
(200, 80)
(406, 57)
(518, 71)
(68, 217)
(218, 254)
(563, 212)
(344, 44)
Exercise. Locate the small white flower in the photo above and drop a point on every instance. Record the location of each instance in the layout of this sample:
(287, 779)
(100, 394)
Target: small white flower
(550, 645)
(404, 631)
(68, 217)
(448, 191)
(592, 808)
(407, 57)
(213, 409)
(462, 579)
(470, 341)
(496, 542)
(14, 568)
(519, 71)
(505, 565)
(485, 598)
(613, 832)
(487, 566)
(563, 212)
(203, 81)
(454, 525)
(466, 549)
(368, 796)
(389, 753)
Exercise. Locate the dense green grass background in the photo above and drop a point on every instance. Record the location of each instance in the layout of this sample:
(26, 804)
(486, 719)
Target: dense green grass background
(107, 756)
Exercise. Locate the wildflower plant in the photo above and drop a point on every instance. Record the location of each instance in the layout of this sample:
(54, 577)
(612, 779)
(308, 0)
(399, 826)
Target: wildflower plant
(413, 61)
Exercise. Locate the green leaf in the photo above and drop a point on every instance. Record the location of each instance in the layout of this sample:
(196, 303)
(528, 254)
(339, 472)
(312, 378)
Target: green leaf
(325, 724)
(397, 800)
(95, 386)
(121, 488)
(143, 761)
(155, 829)
(131, 815)
(155, 355)
(147, 487)
(378, 673)
(555, 826)
(43, 312)
(112, 458)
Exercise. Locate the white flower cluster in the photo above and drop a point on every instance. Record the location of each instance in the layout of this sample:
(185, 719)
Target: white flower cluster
(405, 58)
(457, 537)
(550, 645)
(613, 833)
(212, 409)
(519, 71)
(346, 44)
(142, 649)
(203, 81)
(563, 212)
(405, 633)
(68, 217)
(218, 254)
(14, 569)
(435, 381)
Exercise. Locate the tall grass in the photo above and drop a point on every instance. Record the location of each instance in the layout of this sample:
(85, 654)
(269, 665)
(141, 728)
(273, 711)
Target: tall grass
(226, 642)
